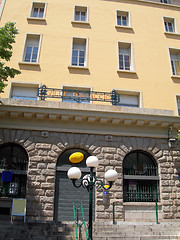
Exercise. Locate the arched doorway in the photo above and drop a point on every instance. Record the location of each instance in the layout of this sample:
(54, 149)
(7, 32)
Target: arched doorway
(13, 175)
(65, 192)
(140, 177)
(13, 162)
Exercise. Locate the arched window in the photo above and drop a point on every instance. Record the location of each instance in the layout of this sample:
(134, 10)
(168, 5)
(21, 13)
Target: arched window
(140, 177)
(13, 170)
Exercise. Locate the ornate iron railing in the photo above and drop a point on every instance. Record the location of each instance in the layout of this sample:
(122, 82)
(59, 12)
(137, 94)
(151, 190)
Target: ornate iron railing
(133, 196)
(79, 96)
(147, 171)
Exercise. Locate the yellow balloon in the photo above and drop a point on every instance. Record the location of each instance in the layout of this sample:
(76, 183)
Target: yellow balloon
(76, 157)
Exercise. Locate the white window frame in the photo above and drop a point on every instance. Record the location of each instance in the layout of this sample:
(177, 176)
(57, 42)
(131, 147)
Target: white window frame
(2, 7)
(33, 5)
(83, 88)
(174, 23)
(131, 93)
(123, 13)
(24, 49)
(174, 51)
(80, 8)
(22, 84)
(126, 45)
(76, 39)
(177, 96)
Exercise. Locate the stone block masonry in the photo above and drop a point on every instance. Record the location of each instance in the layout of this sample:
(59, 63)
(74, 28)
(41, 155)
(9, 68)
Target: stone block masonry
(43, 153)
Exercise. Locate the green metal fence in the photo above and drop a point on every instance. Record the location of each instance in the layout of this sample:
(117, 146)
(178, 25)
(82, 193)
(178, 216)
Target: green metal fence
(144, 191)
(78, 225)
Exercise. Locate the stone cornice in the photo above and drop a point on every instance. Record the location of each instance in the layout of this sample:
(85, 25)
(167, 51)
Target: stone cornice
(44, 115)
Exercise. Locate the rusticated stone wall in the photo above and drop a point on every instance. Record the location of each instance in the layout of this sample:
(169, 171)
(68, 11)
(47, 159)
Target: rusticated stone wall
(44, 150)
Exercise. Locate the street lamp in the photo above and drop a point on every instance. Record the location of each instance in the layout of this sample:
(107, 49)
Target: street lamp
(90, 181)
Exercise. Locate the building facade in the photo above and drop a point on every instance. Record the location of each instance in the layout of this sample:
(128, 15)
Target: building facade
(106, 88)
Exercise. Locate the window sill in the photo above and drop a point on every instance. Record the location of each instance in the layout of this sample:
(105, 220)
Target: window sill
(78, 67)
(140, 203)
(29, 63)
(126, 71)
(80, 22)
(172, 34)
(36, 19)
(123, 27)
(176, 76)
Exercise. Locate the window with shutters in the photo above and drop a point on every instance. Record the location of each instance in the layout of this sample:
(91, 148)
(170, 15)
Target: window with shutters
(123, 19)
(38, 11)
(129, 98)
(175, 61)
(24, 91)
(31, 48)
(125, 54)
(170, 25)
(79, 52)
(80, 14)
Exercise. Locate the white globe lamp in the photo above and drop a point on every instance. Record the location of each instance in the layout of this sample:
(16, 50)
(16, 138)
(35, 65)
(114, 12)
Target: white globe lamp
(74, 173)
(92, 161)
(111, 175)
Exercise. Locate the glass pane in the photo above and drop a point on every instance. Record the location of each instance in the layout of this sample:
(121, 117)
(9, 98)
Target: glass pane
(83, 16)
(35, 12)
(75, 53)
(177, 67)
(27, 57)
(34, 57)
(41, 12)
(170, 27)
(77, 15)
(81, 61)
(35, 50)
(119, 20)
(166, 26)
(81, 53)
(124, 21)
(121, 66)
(28, 49)
(74, 61)
(173, 67)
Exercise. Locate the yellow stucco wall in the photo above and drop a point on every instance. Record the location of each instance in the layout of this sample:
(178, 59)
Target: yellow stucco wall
(150, 47)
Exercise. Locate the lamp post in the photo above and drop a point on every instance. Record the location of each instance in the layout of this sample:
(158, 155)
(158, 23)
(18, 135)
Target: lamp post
(90, 181)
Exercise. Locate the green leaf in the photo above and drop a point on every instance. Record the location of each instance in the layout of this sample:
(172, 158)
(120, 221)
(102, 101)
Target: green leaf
(7, 37)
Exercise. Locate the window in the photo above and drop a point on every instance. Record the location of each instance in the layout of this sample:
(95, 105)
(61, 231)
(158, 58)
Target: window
(76, 94)
(79, 52)
(123, 18)
(175, 61)
(24, 91)
(170, 25)
(81, 14)
(128, 98)
(178, 105)
(166, 1)
(13, 167)
(38, 10)
(125, 56)
(31, 49)
(140, 177)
